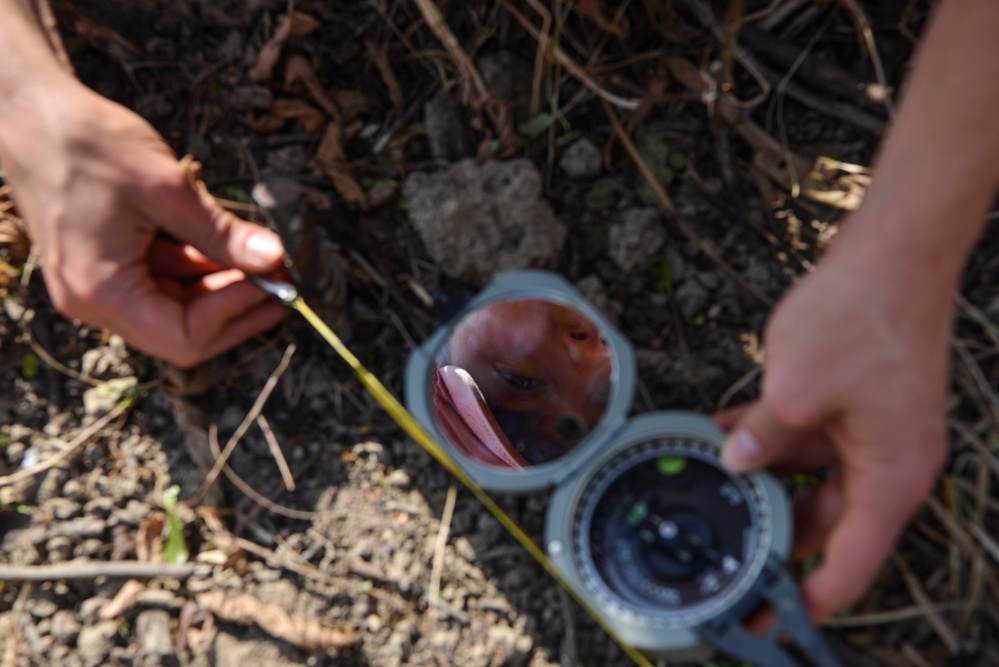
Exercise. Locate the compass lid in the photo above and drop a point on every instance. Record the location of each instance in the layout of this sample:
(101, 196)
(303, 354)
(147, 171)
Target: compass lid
(525, 384)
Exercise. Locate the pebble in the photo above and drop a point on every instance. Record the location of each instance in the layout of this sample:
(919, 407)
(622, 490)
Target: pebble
(637, 238)
(581, 160)
(94, 642)
(65, 626)
(398, 477)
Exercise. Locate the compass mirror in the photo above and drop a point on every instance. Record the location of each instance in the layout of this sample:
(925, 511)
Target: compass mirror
(520, 382)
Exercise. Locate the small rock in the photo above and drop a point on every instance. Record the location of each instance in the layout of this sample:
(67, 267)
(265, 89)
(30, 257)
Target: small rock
(691, 299)
(44, 602)
(504, 72)
(152, 631)
(398, 477)
(637, 239)
(90, 609)
(444, 124)
(102, 398)
(61, 508)
(65, 626)
(95, 642)
(595, 294)
(288, 159)
(581, 160)
(59, 549)
(477, 219)
(250, 98)
(374, 623)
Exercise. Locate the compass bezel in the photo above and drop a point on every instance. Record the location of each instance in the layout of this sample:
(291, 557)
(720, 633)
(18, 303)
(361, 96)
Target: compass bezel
(659, 631)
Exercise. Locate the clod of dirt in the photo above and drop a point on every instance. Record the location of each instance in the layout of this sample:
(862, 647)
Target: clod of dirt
(476, 219)
(637, 238)
(581, 160)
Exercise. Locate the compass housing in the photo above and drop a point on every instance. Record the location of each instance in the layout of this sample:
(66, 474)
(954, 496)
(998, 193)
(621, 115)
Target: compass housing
(579, 476)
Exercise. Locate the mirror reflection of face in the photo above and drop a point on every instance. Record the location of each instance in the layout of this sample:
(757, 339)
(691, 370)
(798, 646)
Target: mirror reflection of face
(524, 381)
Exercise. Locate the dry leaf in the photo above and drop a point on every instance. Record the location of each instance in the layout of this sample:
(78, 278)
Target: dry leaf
(149, 540)
(275, 621)
(295, 24)
(332, 161)
(593, 10)
(123, 601)
(282, 111)
(380, 58)
(299, 70)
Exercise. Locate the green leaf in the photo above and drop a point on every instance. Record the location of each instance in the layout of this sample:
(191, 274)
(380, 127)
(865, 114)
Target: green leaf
(29, 366)
(176, 548)
(532, 128)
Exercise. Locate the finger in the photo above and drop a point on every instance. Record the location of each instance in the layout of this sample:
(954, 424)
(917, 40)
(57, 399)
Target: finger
(178, 260)
(195, 219)
(757, 440)
(728, 418)
(188, 333)
(815, 519)
(876, 510)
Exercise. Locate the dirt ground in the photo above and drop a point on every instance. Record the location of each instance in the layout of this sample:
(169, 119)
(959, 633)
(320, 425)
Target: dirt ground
(332, 538)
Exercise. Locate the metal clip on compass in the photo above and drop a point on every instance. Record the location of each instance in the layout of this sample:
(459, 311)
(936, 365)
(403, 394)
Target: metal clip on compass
(529, 388)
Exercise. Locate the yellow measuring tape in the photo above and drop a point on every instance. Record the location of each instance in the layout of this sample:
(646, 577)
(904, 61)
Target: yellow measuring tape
(413, 428)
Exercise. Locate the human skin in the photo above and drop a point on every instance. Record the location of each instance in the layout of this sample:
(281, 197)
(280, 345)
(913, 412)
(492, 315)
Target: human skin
(125, 241)
(539, 362)
(857, 353)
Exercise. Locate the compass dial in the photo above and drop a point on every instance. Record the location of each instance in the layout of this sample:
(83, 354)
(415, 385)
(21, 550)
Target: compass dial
(666, 536)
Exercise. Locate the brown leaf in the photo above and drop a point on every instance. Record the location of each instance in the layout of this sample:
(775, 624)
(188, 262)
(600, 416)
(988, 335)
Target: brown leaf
(299, 70)
(123, 601)
(295, 24)
(332, 161)
(593, 10)
(149, 541)
(380, 58)
(282, 111)
(275, 621)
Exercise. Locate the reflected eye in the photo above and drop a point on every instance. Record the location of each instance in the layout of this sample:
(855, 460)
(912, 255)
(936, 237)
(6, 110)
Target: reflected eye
(518, 382)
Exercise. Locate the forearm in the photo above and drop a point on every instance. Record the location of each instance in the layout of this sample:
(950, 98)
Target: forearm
(29, 70)
(939, 165)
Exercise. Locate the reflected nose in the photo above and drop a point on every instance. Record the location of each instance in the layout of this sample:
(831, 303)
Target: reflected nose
(571, 428)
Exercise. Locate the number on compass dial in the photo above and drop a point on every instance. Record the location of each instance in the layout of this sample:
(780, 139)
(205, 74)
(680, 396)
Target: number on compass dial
(666, 535)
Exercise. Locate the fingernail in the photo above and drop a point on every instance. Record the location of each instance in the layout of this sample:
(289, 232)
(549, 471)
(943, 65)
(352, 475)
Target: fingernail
(263, 248)
(741, 452)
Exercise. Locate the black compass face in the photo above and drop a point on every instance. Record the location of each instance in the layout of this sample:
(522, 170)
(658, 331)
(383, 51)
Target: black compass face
(666, 535)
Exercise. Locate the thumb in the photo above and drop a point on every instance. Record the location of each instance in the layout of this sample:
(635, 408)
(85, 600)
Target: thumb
(759, 439)
(195, 218)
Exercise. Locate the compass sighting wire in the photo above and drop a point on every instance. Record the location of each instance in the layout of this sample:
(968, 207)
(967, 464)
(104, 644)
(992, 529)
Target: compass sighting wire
(408, 423)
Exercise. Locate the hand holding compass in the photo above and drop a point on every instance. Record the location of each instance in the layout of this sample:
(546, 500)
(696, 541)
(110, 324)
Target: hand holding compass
(671, 550)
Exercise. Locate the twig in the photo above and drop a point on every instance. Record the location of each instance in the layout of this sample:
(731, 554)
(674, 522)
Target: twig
(435, 573)
(275, 447)
(438, 25)
(77, 442)
(670, 207)
(563, 59)
(933, 616)
(258, 405)
(864, 26)
(95, 569)
(250, 492)
(884, 617)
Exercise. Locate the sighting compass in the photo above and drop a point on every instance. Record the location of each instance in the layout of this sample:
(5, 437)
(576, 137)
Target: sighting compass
(529, 388)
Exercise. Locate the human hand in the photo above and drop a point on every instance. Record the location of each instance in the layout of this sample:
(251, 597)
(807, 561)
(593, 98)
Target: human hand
(855, 374)
(124, 239)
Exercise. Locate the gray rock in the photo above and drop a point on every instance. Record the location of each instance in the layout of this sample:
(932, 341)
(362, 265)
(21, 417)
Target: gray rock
(581, 160)
(504, 72)
(65, 626)
(637, 238)
(476, 219)
(95, 642)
